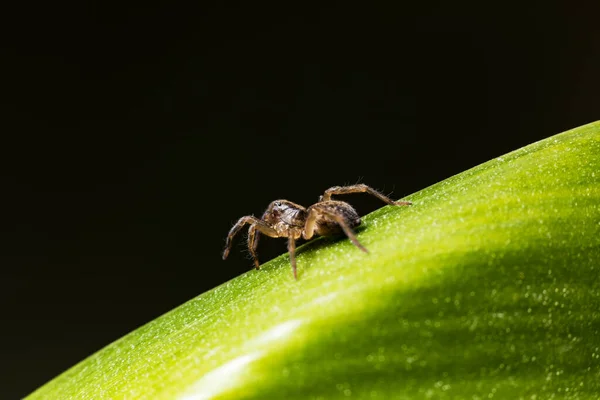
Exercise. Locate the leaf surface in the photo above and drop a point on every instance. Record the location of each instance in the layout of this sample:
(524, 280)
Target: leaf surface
(487, 287)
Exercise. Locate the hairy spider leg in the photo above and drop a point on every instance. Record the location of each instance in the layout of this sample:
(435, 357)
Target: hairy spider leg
(260, 225)
(292, 251)
(360, 188)
(309, 226)
(347, 230)
(253, 235)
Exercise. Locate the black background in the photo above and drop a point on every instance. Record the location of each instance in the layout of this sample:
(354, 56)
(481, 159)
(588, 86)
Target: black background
(134, 134)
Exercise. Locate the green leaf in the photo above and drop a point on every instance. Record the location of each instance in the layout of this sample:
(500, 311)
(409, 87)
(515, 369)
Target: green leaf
(487, 287)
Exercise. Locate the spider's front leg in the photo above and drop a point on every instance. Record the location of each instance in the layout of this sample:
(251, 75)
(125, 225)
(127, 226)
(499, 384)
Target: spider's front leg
(255, 225)
(292, 252)
(361, 188)
(253, 235)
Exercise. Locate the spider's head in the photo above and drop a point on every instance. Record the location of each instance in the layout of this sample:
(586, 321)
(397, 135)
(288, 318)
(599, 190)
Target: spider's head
(285, 211)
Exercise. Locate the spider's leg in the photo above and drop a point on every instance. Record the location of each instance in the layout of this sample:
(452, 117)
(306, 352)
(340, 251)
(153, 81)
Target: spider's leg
(292, 251)
(253, 235)
(309, 225)
(249, 219)
(346, 228)
(361, 188)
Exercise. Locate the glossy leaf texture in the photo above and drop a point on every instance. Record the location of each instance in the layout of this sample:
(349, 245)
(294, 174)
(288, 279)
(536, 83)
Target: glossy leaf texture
(487, 287)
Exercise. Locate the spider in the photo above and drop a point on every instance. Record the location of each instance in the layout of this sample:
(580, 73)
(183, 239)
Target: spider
(290, 220)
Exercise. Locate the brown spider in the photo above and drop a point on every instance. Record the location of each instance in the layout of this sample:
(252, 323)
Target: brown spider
(286, 219)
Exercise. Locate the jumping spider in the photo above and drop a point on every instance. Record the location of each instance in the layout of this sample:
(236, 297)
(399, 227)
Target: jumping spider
(286, 219)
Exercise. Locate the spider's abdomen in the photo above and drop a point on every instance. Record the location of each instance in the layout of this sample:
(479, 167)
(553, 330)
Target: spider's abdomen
(326, 223)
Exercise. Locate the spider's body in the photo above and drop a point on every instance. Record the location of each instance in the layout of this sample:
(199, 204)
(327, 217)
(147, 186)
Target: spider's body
(324, 218)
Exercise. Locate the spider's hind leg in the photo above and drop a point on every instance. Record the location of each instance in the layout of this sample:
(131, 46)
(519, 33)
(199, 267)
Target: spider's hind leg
(361, 188)
(347, 230)
(328, 218)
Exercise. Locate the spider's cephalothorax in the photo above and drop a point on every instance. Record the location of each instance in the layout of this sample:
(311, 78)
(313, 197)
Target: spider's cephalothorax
(286, 219)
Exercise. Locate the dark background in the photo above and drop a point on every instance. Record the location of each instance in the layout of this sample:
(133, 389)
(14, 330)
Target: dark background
(135, 134)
